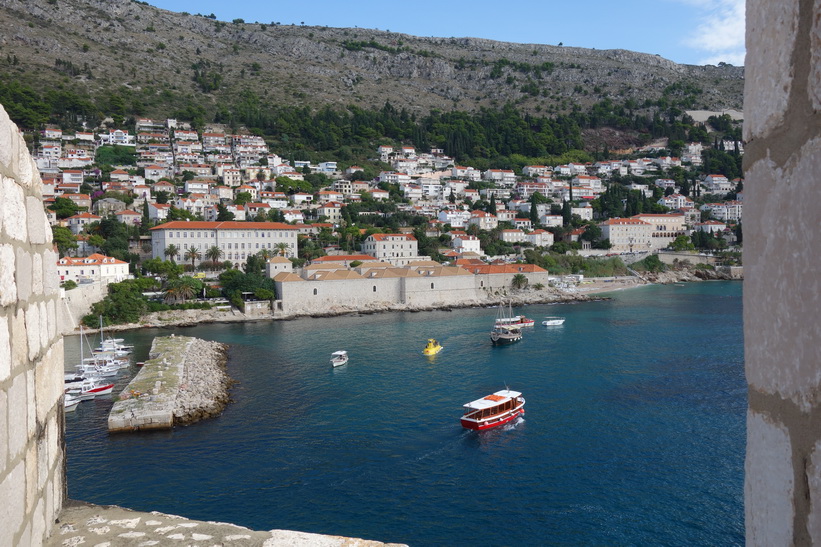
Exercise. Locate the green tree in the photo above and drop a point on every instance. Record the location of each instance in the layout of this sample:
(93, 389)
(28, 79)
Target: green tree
(64, 208)
(519, 281)
(182, 289)
(193, 254)
(171, 252)
(682, 243)
(64, 239)
(213, 254)
(242, 198)
(223, 214)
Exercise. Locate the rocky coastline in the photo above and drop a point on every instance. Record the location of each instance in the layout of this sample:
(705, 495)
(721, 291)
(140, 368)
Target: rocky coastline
(204, 392)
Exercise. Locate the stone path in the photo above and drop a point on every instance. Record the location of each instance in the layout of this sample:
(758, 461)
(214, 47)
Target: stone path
(111, 526)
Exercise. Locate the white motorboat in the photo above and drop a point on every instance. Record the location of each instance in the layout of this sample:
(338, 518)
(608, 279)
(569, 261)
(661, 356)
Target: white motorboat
(70, 402)
(553, 321)
(339, 358)
(90, 389)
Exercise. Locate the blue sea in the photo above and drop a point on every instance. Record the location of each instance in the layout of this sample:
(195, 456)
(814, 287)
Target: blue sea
(634, 432)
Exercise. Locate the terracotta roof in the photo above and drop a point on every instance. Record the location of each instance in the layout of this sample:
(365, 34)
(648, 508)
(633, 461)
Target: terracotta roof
(225, 225)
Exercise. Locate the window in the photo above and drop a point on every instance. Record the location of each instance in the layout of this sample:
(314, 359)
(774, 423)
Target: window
(374, 288)
(314, 292)
(431, 285)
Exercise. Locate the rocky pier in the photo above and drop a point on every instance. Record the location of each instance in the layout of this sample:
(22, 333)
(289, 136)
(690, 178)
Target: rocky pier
(183, 381)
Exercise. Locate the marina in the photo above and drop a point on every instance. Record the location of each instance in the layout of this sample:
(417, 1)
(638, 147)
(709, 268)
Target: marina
(633, 434)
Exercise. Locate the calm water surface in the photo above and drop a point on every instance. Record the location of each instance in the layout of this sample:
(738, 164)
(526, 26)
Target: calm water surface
(634, 432)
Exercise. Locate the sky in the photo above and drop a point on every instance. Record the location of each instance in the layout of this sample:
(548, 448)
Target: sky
(695, 32)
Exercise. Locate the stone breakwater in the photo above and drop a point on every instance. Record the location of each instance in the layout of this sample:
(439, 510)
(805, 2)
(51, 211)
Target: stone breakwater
(183, 381)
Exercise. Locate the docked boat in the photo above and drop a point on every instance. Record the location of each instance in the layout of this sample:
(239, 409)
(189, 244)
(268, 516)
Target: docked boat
(90, 389)
(503, 332)
(339, 358)
(493, 410)
(70, 402)
(432, 348)
(516, 321)
(553, 321)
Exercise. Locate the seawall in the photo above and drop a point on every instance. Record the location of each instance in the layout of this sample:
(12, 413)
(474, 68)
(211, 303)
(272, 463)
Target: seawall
(183, 381)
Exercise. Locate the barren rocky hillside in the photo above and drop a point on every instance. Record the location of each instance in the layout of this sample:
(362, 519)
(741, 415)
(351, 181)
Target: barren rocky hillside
(161, 58)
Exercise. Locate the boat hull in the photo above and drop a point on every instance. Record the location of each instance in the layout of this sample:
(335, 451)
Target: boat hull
(504, 339)
(494, 421)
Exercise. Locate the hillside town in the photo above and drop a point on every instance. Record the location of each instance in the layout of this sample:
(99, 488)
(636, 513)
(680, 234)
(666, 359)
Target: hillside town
(210, 200)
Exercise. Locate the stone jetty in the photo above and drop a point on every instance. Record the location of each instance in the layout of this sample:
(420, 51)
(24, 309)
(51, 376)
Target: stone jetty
(183, 381)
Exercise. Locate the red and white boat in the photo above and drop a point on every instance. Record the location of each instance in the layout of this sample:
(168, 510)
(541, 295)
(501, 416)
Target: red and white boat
(493, 410)
(515, 321)
(89, 389)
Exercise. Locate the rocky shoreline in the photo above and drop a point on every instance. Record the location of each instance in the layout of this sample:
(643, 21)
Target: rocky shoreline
(204, 392)
(592, 290)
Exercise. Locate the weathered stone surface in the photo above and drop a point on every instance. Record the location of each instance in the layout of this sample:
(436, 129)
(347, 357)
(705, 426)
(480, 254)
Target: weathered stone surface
(814, 480)
(8, 288)
(5, 350)
(37, 274)
(18, 416)
(774, 269)
(13, 209)
(33, 330)
(814, 87)
(768, 484)
(19, 339)
(13, 494)
(48, 381)
(23, 274)
(771, 34)
(4, 431)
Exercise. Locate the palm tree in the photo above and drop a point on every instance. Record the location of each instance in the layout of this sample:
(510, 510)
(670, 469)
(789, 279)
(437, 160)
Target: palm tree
(282, 247)
(179, 290)
(193, 254)
(214, 254)
(171, 252)
(519, 281)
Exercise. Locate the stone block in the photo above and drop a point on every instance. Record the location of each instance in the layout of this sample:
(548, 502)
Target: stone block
(26, 168)
(8, 288)
(37, 222)
(31, 407)
(814, 480)
(32, 469)
(53, 320)
(18, 416)
(13, 494)
(38, 522)
(768, 483)
(33, 331)
(5, 350)
(37, 274)
(13, 209)
(775, 263)
(23, 274)
(4, 432)
(768, 73)
(814, 87)
(51, 281)
(48, 380)
(19, 340)
(44, 325)
(55, 451)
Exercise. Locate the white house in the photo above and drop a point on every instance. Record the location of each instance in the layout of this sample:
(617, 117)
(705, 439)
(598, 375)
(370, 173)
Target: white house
(94, 268)
(398, 249)
(627, 234)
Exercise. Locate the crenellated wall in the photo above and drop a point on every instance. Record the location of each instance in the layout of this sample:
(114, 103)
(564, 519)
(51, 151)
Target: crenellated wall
(782, 288)
(32, 477)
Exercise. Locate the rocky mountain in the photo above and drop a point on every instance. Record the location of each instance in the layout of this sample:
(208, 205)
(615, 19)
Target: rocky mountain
(158, 59)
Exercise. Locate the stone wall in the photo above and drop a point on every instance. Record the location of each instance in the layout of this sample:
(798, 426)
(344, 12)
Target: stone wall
(782, 223)
(316, 297)
(32, 479)
(76, 303)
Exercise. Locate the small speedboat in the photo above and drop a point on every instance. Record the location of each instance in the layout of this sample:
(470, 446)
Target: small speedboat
(90, 389)
(70, 402)
(339, 358)
(553, 321)
(432, 348)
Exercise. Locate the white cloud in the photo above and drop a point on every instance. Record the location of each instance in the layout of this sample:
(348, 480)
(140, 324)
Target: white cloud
(720, 30)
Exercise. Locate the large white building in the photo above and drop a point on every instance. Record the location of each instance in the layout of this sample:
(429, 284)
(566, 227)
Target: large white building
(397, 249)
(627, 235)
(237, 240)
(93, 268)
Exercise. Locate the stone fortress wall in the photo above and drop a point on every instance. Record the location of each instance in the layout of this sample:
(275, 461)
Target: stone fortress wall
(782, 291)
(32, 455)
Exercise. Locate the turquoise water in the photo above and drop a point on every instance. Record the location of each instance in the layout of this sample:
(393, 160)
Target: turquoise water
(634, 432)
